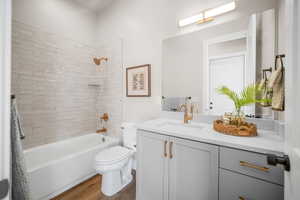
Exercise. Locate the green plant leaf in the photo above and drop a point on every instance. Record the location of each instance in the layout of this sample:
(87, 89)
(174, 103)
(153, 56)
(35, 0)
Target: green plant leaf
(230, 94)
(249, 95)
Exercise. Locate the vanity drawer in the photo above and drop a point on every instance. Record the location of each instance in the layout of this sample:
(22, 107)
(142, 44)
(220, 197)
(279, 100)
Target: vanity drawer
(235, 186)
(251, 164)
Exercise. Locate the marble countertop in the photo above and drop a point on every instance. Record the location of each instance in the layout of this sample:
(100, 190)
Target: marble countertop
(266, 141)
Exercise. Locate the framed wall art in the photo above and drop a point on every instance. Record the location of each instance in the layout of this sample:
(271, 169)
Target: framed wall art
(138, 81)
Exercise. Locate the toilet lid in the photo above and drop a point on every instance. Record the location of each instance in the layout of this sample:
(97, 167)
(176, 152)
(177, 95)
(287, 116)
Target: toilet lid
(112, 155)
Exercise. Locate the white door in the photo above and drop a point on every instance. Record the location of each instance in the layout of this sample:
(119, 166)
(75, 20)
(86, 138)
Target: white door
(292, 135)
(226, 71)
(151, 166)
(193, 171)
(5, 48)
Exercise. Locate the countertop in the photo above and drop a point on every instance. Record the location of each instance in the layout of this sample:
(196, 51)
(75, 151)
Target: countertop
(266, 142)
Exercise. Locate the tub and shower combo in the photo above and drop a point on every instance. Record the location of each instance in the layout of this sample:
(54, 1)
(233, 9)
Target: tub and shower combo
(57, 167)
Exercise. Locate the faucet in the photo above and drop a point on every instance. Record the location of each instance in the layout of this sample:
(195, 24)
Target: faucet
(188, 111)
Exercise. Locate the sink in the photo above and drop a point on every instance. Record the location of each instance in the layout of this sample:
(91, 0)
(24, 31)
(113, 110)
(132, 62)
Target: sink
(180, 127)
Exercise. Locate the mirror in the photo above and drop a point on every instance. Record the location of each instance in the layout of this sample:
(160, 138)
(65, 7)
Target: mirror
(231, 54)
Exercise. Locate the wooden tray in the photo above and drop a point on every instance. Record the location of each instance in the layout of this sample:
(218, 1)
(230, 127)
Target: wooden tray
(244, 130)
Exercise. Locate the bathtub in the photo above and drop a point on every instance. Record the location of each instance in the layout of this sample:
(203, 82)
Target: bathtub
(55, 168)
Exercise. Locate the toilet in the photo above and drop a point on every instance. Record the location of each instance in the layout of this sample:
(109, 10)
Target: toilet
(116, 163)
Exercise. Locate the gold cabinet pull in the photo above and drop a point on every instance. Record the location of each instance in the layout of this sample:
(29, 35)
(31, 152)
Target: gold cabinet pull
(246, 164)
(170, 150)
(241, 198)
(165, 149)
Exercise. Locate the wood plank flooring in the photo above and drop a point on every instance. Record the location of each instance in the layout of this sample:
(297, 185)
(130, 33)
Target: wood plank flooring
(90, 190)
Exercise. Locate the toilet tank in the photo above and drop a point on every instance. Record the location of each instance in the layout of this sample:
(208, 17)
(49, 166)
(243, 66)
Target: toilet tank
(129, 135)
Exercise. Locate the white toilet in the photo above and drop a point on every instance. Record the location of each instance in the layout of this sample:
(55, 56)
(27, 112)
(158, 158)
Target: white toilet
(115, 163)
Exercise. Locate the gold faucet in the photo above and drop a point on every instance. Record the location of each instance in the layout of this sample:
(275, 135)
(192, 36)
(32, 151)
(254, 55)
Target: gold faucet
(188, 111)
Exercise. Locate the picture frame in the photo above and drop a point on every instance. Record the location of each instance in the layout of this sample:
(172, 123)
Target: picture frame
(138, 81)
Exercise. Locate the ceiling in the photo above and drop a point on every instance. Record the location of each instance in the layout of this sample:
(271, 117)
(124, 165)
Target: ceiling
(94, 5)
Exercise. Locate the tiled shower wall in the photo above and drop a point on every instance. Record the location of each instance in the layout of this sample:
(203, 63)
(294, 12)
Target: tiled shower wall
(50, 78)
(109, 99)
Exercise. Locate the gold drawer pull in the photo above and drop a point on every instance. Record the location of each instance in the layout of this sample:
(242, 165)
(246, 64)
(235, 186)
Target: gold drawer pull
(241, 198)
(165, 149)
(246, 164)
(171, 149)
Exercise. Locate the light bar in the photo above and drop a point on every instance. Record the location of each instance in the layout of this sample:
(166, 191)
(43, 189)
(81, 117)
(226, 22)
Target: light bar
(190, 20)
(219, 10)
(207, 15)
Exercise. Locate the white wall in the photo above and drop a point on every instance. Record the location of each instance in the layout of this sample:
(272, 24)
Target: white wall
(228, 47)
(60, 17)
(143, 24)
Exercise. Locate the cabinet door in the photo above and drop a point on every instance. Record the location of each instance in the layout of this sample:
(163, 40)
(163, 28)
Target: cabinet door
(151, 166)
(193, 171)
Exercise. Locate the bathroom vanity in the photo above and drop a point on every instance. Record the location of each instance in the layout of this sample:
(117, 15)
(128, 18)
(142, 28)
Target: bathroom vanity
(179, 161)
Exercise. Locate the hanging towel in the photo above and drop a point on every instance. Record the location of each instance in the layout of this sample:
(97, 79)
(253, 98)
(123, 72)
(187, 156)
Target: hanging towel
(276, 83)
(266, 92)
(20, 187)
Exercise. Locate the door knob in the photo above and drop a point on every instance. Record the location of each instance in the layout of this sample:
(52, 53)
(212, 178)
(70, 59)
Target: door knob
(282, 160)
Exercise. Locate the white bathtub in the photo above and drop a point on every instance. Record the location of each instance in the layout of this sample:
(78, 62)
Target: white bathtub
(55, 168)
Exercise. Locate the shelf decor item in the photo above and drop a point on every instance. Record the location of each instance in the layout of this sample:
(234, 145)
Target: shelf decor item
(245, 129)
(138, 81)
(234, 123)
(103, 123)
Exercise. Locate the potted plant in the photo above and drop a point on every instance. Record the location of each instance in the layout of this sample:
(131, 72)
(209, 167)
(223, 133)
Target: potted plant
(249, 95)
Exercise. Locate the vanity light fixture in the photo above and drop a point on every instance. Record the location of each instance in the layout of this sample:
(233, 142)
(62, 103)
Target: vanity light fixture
(190, 20)
(207, 15)
(220, 10)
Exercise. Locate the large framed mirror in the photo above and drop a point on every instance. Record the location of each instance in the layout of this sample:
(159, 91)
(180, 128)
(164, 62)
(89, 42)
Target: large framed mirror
(232, 54)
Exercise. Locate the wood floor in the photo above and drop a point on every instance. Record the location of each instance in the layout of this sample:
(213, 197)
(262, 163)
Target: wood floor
(90, 190)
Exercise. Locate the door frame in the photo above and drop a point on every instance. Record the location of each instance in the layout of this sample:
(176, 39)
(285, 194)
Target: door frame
(224, 56)
(292, 95)
(5, 79)
(206, 44)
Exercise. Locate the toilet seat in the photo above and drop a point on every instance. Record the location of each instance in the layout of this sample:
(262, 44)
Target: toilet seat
(112, 155)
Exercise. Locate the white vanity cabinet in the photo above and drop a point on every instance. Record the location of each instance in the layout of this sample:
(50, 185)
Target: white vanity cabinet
(170, 168)
(192, 162)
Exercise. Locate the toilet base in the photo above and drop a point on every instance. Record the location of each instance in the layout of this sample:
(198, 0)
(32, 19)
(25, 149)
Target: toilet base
(112, 182)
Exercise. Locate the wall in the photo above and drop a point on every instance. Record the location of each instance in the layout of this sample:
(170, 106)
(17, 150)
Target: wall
(64, 18)
(53, 47)
(228, 47)
(109, 95)
(143, 24)
(50, 77)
